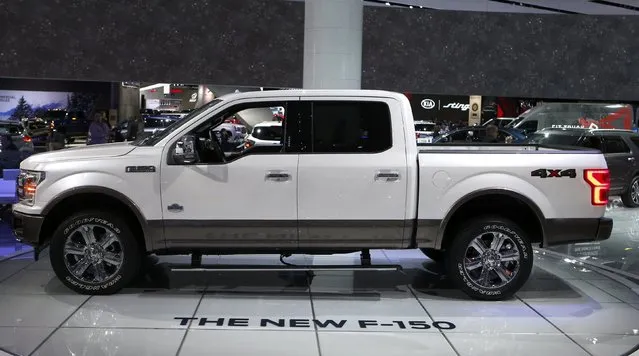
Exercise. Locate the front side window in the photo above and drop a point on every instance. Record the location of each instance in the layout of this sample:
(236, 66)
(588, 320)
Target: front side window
(217, 141)
(351, 127)
(635, 142)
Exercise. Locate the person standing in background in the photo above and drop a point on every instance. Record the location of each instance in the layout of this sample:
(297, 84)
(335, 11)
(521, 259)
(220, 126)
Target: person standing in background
(98, 131)
(135, 128)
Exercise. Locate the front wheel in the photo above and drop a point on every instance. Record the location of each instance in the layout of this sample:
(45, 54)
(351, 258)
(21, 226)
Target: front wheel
(490, 259)
(630, 198)
(95, 253)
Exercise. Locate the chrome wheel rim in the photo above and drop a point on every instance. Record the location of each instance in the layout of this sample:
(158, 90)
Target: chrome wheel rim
(634, 192)
(93, 254)
(491, 260)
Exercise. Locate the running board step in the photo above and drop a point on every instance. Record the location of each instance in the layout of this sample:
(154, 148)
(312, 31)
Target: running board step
(258, 268)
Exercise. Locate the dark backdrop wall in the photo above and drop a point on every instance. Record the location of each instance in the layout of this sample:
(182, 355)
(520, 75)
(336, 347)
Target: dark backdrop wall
(238, 42)
(516, 55)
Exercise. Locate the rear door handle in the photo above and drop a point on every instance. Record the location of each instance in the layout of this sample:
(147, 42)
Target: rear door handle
(278, 176)
(387, 176)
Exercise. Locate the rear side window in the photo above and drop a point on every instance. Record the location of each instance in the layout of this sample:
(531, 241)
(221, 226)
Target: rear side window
(593, 142)
(424, 127)
(528, 126)
(635, 141)
(269, 133)
(9, 129)
(615, 144)
(351, 127)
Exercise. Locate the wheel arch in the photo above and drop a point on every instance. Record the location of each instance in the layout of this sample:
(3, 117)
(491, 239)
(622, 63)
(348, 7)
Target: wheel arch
(97, 197)
(499, 202)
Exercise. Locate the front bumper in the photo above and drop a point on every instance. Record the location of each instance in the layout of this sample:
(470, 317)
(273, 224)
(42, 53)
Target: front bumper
(568, 231)
(27, 227)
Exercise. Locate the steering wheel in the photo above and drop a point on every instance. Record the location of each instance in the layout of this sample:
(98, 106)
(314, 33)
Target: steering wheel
(211, 144)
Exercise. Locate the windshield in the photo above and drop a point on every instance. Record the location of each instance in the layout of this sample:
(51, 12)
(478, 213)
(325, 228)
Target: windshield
(159, 135)
(54, 114)
(557, 138)
(523, 115)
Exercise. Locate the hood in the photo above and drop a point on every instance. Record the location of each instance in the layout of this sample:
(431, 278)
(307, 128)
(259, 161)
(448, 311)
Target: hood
(81, 153)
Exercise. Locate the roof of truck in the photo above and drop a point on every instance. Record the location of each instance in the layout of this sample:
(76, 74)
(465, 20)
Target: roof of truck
(315, 92)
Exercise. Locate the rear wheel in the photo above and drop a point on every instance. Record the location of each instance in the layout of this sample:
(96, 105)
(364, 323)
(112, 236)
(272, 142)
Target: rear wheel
(95, 253)
(630, 198)
(490, 258)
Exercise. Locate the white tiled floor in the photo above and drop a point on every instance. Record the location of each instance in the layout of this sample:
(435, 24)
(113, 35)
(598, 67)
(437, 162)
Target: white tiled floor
(561, 310)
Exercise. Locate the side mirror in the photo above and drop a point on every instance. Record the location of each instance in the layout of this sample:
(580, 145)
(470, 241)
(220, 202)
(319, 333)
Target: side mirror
(184, 151)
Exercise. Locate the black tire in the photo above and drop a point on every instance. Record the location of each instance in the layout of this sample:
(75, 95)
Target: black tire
(626, 197)
(435, 255)
(126, 247)
(460, 251)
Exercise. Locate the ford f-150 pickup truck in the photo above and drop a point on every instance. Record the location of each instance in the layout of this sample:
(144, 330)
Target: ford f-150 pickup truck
(347, 177)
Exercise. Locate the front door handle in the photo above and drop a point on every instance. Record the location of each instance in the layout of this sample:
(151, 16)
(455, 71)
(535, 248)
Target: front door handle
(387, 176)
(278, 176)
(175, 207)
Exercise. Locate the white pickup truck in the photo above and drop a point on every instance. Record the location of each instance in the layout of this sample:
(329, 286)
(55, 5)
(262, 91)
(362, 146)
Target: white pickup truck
(348, 177)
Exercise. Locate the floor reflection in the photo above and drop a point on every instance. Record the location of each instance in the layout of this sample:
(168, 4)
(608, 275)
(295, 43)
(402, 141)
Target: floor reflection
(621, 250)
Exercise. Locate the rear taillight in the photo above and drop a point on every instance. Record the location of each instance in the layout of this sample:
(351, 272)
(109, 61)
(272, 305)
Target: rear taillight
(599, 181)
(26, 138)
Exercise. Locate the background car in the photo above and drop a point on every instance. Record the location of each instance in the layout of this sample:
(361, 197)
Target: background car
(74, 125)
(38, 132)
(22, 141)
(477, 134)
(152, 124)
(424, 131)
(620, 148)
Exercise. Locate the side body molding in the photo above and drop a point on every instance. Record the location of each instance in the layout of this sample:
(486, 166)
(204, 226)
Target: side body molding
(153, 230)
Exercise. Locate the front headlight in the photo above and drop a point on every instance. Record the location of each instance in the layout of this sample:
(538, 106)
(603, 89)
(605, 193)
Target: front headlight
(27, 185)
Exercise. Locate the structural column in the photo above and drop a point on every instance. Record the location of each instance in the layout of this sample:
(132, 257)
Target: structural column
(333, 44)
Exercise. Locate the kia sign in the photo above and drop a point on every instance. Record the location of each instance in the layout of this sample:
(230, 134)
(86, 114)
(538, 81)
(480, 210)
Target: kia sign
(428, 104)
(432, 107)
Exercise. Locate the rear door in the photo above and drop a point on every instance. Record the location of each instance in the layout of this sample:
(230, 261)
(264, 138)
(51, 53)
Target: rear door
(353, 175)
(620, 161)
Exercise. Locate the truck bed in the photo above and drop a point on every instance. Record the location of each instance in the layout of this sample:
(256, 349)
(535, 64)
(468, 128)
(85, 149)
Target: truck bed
(448, 172)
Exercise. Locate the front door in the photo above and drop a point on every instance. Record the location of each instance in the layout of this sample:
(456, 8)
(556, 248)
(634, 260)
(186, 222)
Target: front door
(352, 175)
(621, 162)
(234, 199)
